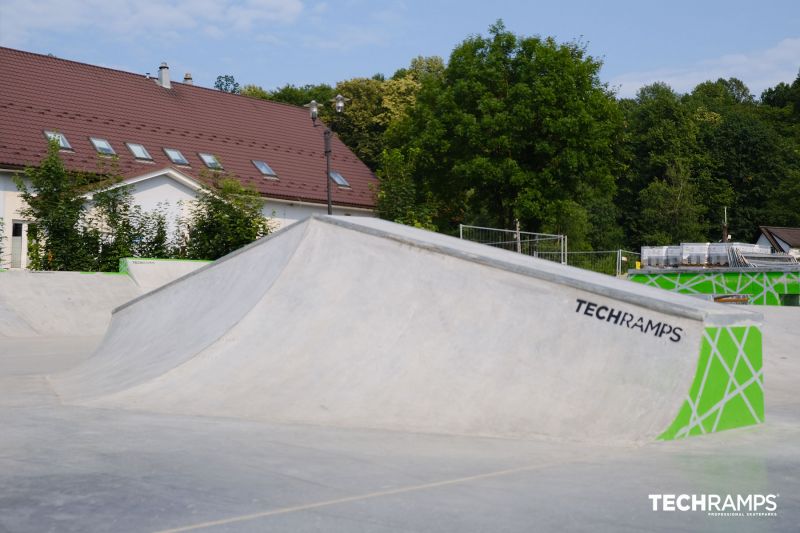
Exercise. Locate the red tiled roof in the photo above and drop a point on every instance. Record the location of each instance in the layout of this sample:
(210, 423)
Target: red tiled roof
(81, 101)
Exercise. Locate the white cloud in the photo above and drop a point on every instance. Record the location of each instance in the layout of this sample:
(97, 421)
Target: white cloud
(758, 70)
(21, 21)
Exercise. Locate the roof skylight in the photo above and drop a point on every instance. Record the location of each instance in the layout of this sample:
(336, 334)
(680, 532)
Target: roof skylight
(63, 143)
(139, 151)
(102, 146)
(264, 168)
(211, 161)
(339, 179)
(176, 156)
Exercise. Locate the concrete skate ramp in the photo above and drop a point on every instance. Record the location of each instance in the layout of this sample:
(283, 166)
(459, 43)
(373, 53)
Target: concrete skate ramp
(365, 323)
(60, 304)
(151, 274)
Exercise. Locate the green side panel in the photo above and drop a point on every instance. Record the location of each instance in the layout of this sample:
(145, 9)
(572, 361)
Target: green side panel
(763, 288)
(728, 387)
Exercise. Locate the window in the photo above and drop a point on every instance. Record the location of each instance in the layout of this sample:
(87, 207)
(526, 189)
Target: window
(264, 168)
(210, 161)
(63, 143)
(339, 179)
(176, 156)
(139, 151)
(102, 146)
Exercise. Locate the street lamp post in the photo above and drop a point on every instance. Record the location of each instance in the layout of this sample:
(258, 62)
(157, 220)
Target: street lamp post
(313, 109)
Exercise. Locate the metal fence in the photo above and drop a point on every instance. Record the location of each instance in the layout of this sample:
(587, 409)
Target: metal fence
(553, 248)
(524, 242)
(611, 262)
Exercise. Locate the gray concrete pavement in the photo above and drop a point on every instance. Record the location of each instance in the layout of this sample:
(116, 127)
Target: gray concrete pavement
(81, 469)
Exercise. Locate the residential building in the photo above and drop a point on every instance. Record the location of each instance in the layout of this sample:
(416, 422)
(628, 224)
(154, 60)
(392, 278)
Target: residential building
(785, 240)
(167, 140)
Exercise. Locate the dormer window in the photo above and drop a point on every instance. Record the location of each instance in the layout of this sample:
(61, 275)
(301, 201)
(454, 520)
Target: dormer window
(339, 179)
(63, 143)
(102, 146)
(264, 168)
(139, 151)
(176, 156)
(211, 161)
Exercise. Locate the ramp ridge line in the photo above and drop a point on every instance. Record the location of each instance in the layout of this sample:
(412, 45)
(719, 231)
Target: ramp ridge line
(671, 308)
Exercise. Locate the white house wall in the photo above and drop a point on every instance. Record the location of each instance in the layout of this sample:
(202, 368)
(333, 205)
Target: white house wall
(160, 192)
(10, 205)
(285, 213)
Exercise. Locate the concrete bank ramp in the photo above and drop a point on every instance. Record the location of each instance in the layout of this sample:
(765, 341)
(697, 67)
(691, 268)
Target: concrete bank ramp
(365, 323)
(60, 304)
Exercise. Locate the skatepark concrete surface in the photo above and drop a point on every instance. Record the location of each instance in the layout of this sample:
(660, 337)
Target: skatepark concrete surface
(92, 441)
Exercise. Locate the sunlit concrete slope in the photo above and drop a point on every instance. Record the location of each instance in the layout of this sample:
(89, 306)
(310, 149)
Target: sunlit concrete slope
(60, 304)
(365, 323)
(165, 328)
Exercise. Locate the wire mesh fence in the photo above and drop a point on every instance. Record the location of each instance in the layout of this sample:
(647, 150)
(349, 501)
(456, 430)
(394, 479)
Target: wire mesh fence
(611, 262)
(524, 242)
(553, 248)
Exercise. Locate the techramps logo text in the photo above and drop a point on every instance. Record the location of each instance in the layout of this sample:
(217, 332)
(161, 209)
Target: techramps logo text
(728, 505)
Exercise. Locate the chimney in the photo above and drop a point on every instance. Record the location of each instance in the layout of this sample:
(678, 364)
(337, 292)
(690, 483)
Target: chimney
(163, 76)
(187, 78)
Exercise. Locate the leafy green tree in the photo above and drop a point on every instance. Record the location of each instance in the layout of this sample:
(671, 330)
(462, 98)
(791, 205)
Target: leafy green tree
(54, 206)
(223, 220)
(784, 95)
(360, 126)
(115, 228)
(661, 155)
(669, 213)
(516, 128)
(422, 67)
(397, 197)
(291, 94)
(255, 91)
(227, 84)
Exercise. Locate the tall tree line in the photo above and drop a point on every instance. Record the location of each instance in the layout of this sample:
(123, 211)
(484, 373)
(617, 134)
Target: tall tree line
(522, 128)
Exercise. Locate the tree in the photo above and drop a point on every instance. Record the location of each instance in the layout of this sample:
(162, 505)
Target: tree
(360, 127)
(784, 95)
(227, 84)
(116, 228)
(255, 91)
(660, 176)
(397, 198)
(54, 207)
(669, 213)
(515, 128)
(223, 220)
(291, 94)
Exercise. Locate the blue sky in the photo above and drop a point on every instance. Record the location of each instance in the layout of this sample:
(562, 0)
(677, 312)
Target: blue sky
(274, 42)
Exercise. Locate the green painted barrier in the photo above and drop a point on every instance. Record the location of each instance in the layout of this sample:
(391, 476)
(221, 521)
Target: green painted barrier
(763, 288)
(728, 387)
